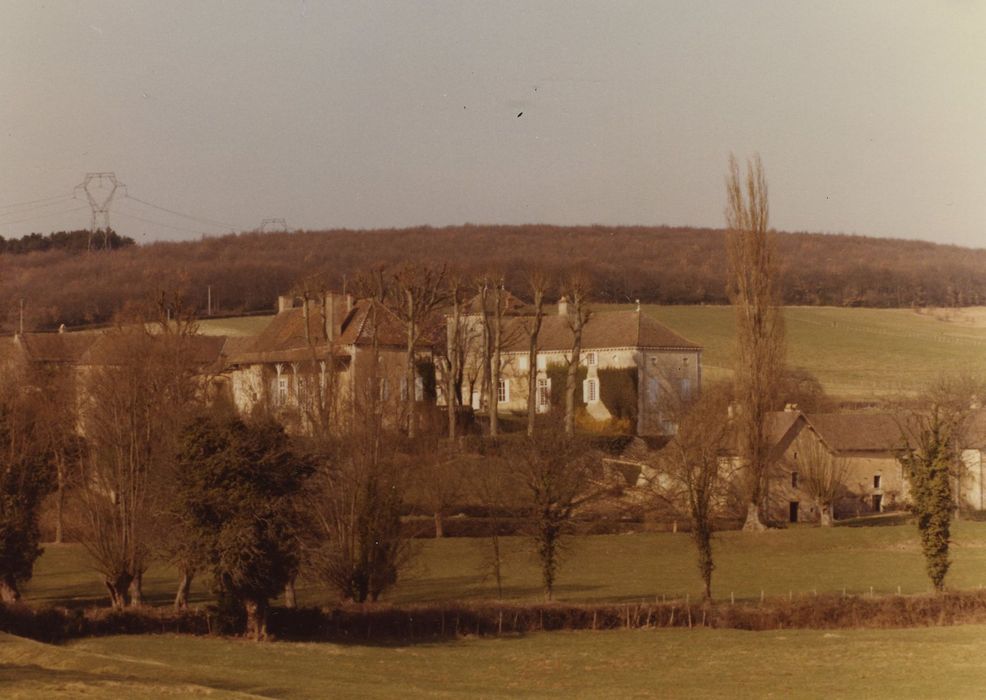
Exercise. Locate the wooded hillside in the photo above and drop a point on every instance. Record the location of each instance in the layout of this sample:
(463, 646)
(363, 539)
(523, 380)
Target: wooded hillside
(659, 264)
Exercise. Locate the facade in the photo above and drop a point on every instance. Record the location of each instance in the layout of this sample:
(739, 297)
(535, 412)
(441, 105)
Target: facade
(630, 364)
(323, 360)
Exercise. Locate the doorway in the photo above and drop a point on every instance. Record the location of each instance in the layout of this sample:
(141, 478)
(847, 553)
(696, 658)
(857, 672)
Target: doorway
(877, 503)
(793, 512)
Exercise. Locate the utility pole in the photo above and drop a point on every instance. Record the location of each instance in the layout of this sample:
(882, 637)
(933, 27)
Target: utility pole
(99, 189)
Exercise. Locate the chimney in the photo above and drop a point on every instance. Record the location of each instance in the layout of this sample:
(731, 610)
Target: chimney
(329, 330)
(285, 302)
(563, 306)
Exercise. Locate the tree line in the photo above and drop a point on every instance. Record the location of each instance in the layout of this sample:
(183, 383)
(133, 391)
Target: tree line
(668, 265)
(75, 242)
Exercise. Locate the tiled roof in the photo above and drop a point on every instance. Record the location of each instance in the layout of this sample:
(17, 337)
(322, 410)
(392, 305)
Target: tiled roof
(512, 305)
(605, 329)
(284, 340)
(858, 432)
(56, 347)
(116, 348)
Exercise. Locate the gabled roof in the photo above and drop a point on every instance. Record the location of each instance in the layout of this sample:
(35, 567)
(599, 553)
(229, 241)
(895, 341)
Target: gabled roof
(605, 329)
(512, 306)
(858, 432)
(117, 348)
(284, 338)
(55, 347)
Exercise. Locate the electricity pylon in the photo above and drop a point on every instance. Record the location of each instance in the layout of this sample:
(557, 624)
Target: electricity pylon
(95, 186)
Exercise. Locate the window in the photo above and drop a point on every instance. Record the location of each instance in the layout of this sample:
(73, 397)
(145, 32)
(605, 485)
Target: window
(876, 481)
(543, 400)
(523, 363)
(590, 390)
(282, 391)
(590, 359)
(685, 388)
(794, 480)
(503, 391)
(542, 362)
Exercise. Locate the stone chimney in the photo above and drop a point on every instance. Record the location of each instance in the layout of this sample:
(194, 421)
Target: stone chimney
(563, 306)
(285, 302)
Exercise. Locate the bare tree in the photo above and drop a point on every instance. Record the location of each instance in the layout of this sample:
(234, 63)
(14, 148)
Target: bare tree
(538, 282)
(578, 315)
(753, 290)
(454, 354)
(692, 469)
(356, 496)
(134, 399)
(559, 476)
(492, 300)
(821, 474)
(413, 293)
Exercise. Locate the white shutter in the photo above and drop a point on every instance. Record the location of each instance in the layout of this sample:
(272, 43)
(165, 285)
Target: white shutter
(506, 391)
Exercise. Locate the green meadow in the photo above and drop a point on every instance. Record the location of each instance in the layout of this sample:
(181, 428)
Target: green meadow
(796, 561)
(855, 353)
(913, 663)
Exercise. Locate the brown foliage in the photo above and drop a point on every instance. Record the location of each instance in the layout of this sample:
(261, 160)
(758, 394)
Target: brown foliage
(671, 265)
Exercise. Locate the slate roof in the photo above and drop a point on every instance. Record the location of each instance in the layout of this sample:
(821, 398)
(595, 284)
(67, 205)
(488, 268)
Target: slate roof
(605, 329)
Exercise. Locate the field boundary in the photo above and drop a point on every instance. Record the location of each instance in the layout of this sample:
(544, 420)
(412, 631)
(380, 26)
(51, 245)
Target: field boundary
(369, 624)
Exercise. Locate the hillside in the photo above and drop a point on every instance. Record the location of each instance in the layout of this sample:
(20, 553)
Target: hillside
(657, 265)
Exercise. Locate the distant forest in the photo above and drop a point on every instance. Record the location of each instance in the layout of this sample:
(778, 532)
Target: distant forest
(668, 265)
(70, 241)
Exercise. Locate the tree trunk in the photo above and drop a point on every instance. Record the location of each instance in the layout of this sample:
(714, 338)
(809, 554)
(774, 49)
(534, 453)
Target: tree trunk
(290, 595)
(412, 383)
(439, 525)
(118, 589)
(753, 522)
(8, 590)
(60, 505)
(137, 590)
(184, 586)
(256, 614)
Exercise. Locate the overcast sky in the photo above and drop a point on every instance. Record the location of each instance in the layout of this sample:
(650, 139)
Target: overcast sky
(870, 116)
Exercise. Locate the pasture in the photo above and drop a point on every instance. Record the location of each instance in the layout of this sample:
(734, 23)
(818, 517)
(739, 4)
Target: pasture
(856, 353)
(796, 561)
(913, 663)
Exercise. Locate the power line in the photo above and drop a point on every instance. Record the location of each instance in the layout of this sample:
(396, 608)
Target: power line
(42, 216)
(158, 223)
(33, 201)
(24, 210)
(197, 219)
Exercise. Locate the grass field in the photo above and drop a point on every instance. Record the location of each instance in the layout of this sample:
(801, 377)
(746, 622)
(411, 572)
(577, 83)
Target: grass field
(855, 353)
(614, 568)
(914, 663)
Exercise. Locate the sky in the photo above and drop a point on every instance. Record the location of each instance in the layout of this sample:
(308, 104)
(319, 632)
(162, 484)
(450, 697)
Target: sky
(870, 117)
